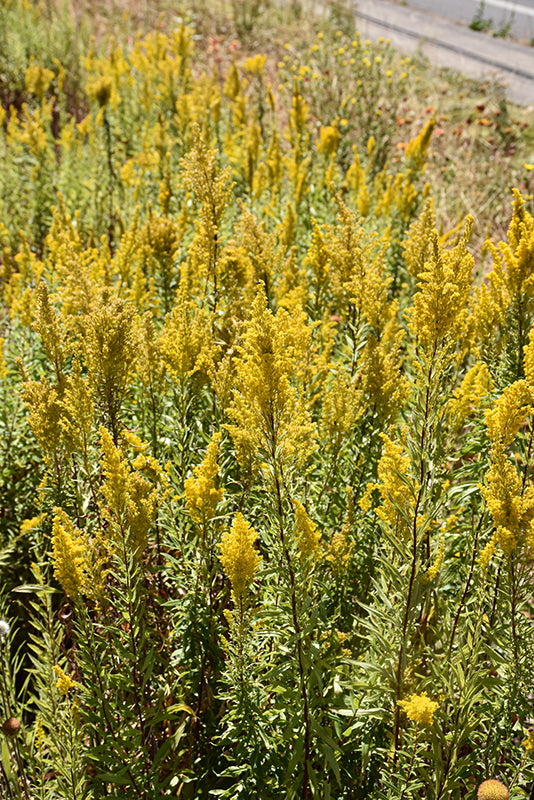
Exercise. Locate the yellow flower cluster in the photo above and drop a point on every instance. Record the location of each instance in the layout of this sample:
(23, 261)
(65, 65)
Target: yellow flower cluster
(69, 554)
(397, 488)
(528, 743)
(439, 313)
(269, 414)
(509, 501)
(202, 496)
(239, 558)
(130, 499)
(64, 682)
(471, 396)
(419, 708)
(306, 533)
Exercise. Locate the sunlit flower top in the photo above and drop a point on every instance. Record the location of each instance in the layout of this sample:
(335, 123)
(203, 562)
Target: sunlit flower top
(419, 708)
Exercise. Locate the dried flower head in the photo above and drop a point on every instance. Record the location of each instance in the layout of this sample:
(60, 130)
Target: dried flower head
(492, 790)
(11, 727)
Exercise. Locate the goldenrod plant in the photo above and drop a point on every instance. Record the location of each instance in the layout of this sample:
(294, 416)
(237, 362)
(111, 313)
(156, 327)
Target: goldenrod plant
(266, 420)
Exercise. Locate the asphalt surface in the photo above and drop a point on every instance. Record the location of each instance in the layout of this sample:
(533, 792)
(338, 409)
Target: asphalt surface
(451, 44)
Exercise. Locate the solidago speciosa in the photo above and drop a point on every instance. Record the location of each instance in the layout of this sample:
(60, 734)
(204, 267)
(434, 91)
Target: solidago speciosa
(69, 552)
(397, 488)
(306, 533)
(439, 313)
(270, 419)
(129, 500)
(201, 494)
(239, 557)
(266, 502)
(509, 499)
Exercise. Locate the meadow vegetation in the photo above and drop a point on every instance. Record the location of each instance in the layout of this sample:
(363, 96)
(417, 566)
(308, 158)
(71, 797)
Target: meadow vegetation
(266, 419)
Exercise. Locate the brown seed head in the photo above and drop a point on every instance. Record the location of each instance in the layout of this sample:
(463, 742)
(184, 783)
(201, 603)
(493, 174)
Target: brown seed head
(11, 727)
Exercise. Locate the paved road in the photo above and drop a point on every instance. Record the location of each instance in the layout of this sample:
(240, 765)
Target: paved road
(451, 44)
(516, 18)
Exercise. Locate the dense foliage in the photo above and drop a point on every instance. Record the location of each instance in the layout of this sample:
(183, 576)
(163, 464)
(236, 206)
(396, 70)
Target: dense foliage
(267, 511)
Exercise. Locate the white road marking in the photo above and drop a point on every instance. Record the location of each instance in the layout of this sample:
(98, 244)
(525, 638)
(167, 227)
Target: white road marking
(510, 6)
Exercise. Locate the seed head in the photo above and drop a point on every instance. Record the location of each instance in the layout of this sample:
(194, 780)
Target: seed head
(4, 629)
(11, 727)
(492, 790)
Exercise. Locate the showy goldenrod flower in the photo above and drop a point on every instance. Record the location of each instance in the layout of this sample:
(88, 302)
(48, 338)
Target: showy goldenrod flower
(131, 499)
(269, 411)
(37, 79)
(255, 65)
(238, 556)
(201, 495)
(487, 554)
(528, 743)
(471, 396)
(64, 682)
(396, 486)
(416, 150)
(509, 413)
(419, 708)
(69, 553)
(492, 790)
(186, 341)
(329, 138)
(29, 525)
(3, 365)
(511, 509)
(432, 572)
(306, 533)
(440, 306)
(417, 248)
(511, 504)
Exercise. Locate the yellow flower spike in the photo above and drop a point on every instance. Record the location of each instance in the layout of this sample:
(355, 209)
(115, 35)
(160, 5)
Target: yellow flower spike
(115, 469)
(471, 396)
(486, 555)
(417, 147)
(131, 499)
(306, 533)
(201, 496)
(268, 411)
(419, 708)
(397, 488)
(29, 525)
(509, 503)
(510, 411)
(439, 312)
(69, 554)
(3, 365)
(329, 138)
(432, 572)
(239, 558)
